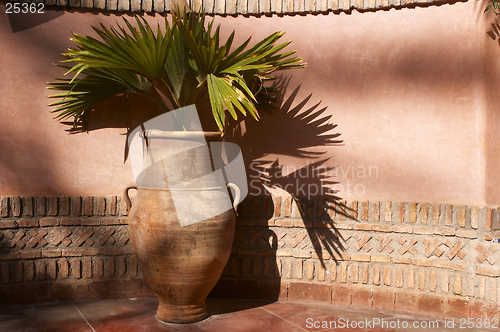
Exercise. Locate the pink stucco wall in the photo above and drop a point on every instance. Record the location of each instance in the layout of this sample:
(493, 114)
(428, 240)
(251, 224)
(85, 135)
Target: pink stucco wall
(492, 157)
(410, 90)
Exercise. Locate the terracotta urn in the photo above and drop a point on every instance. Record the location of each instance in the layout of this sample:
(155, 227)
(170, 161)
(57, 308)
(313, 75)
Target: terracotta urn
(181, 264)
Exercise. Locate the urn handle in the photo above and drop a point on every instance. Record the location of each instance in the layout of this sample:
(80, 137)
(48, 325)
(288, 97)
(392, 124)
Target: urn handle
(125, 194)
(237, 196)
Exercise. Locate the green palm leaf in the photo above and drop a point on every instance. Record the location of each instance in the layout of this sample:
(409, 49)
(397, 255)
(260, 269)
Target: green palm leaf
(184, 61)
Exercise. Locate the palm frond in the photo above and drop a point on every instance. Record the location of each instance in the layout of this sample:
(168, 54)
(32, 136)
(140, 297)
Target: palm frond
(184, 61)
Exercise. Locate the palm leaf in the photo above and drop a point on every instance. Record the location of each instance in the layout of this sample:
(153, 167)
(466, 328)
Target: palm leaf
(184, 61)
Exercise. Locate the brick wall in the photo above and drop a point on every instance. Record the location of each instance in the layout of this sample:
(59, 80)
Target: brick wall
(54, 248)
(434, 259)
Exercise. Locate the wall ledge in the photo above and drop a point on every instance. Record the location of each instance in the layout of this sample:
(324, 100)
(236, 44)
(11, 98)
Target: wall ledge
(248, 7)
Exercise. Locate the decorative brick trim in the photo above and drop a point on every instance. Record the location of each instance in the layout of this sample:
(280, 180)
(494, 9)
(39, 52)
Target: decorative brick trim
(439, 254)
(65, 247)
(429, 256)
(247, 7)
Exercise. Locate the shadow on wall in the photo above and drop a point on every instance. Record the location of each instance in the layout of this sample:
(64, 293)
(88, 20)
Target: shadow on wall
(300, 132)
(494, 33)
(121, 111)
(303, 132)
(24, 157)
(23, 21)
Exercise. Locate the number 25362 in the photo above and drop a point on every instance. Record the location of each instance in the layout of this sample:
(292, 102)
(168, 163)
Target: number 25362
(24, 8)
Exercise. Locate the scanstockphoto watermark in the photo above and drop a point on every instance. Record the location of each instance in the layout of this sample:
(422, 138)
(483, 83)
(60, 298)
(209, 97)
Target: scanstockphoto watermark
(372, 323)
(395, 323)
(311, 180)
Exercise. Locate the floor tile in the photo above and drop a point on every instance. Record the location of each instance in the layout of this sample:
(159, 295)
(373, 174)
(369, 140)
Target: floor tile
(234, 315)
(50, 317)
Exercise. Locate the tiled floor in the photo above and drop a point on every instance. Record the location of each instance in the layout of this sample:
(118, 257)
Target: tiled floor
(138, 315)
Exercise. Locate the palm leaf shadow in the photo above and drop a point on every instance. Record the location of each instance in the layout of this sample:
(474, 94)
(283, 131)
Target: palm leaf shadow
(302, 131)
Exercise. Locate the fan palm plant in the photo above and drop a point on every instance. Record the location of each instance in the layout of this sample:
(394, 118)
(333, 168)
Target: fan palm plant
(175, 67)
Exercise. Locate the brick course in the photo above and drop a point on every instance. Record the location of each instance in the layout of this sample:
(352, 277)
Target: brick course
(434, 259)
